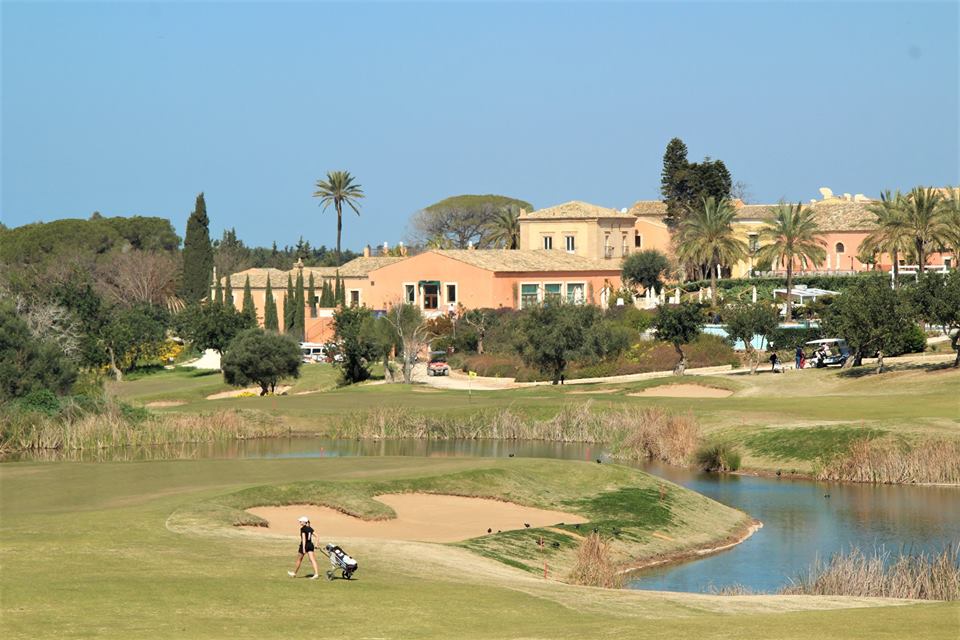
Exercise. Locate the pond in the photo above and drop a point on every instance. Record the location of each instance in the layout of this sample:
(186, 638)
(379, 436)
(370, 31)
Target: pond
(803, 520)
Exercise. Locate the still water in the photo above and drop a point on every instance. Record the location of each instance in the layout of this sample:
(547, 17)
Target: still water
(800, 522)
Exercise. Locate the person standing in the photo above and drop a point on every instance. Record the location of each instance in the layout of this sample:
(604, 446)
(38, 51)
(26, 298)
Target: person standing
(798, 358)
(306, 548)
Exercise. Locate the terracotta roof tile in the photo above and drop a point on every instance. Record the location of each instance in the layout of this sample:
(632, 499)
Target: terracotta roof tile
(648, 208)
(575, 209)
(356, 268)
(831, 215)
(501, 260)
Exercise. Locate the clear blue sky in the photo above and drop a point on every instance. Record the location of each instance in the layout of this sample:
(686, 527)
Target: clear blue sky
(134, 108)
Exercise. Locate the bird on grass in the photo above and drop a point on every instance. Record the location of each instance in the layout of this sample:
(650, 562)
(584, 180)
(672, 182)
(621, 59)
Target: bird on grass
(576, 526)
(510, 455)
(498, 531)
(826, 495)
(596, 530)
(526, 524)
(489, 530)
(599, 461)
(555, 545)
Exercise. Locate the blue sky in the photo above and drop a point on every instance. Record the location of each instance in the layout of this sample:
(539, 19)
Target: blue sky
(134, 108)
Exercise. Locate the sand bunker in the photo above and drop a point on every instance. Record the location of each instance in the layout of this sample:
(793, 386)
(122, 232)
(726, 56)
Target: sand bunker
(591, 392)
(240, 392)
(159, 404)
(421, 517)
(683, 391)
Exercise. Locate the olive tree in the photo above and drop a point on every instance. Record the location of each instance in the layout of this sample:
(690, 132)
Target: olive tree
(679, 325)
(744, 321)
(261, 357)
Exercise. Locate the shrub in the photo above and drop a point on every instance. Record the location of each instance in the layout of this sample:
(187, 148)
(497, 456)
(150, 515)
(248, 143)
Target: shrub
(40, 401)
(262, 358)
(719, 456)
(594, 566)
(887, 460)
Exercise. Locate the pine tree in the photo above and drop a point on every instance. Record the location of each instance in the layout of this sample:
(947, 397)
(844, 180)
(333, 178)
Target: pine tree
(270, 320)
(218, 293)
(197, 255)
(312, 297)
(228, 293)
(298, 308)
(673, 180)
(289, 307)
(249, 308)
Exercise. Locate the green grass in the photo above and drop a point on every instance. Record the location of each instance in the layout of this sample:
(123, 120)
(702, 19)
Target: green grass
(89, 550)
(793, 418)
(807, 443)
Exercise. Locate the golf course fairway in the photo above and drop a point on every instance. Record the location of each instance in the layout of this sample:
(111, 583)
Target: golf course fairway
(151, 549)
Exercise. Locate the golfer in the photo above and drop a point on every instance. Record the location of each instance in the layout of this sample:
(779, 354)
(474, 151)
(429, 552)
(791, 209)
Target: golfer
(306, 547)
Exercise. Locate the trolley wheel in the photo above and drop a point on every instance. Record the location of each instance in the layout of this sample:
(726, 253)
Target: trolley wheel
(346, 576)
(329, 575)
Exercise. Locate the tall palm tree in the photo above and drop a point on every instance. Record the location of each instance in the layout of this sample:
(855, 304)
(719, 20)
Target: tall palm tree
(338, 189)
(950, 207)
(925, 221)
(891, 235)
(791, 233)
(706, 236)
(505, 228)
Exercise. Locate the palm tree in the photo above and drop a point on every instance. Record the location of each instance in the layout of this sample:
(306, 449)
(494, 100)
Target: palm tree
(891, 235)
(338, 189)
(706, 236)
(505, 228)
(950, 207)
(925, 221)
(791, 233)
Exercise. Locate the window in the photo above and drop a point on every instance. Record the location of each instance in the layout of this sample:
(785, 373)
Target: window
(607, 249)
(528, 295)
(548, 242)
(431, 295)
(754, 242)
(624, 248)
(410, 293)
(451, 293)
(551, 290)
(638, 241)
(948, 262)
(575, 293)
(839, 248)
(354, 297)
(571, 243)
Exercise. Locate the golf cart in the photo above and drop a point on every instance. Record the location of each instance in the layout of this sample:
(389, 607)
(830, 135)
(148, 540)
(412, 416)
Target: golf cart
(828, 351)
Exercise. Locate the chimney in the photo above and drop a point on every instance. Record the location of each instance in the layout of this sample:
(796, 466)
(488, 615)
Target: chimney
(847, 197)
(826, 193)
(859, 197)
(366, 251)
(403, 249)
(523, 212)
(386, 248)
(470, 246)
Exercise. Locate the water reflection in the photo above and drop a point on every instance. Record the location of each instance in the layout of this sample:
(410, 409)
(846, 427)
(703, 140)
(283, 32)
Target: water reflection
(800, 523)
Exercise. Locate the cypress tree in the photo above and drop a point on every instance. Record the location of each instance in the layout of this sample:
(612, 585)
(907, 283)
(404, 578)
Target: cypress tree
(270, 321)
(218, 295)
(337, 291)
(249, 308)
(312, 297)
(289, 307)
(299, 306)
(197, 255)
(326, 295)
(228, 293)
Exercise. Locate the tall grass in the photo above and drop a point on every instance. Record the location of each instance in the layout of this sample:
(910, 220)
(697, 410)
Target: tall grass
(634, 433)
(115, 425)
(718, 456)
(916, 576)
(594, 566)
(887, 460)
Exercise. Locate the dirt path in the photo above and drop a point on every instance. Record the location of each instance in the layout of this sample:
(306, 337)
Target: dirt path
(683, 391)
(420, 517)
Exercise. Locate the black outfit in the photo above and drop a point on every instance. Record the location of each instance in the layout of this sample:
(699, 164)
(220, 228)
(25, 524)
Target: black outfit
(308, 531)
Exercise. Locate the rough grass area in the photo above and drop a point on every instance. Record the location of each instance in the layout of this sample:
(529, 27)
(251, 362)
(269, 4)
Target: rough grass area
(90, 550)
(625, 505)
(893, 461)
(807, 443)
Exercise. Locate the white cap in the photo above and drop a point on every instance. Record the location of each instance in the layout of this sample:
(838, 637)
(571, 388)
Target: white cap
(304, 519)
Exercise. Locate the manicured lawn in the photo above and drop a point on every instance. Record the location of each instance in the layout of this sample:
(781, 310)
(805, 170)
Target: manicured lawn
(91, 550)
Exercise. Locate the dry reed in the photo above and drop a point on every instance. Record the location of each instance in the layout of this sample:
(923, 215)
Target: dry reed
(594, 566)
(886, 460)
(914, 576)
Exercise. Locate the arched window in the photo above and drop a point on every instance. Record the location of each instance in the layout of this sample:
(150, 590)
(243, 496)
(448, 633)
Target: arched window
(839, 248)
